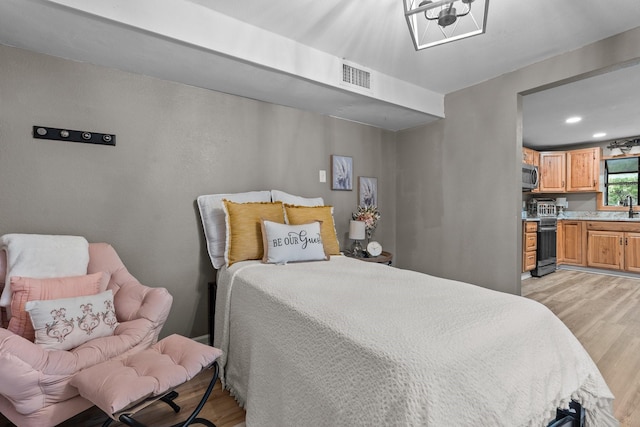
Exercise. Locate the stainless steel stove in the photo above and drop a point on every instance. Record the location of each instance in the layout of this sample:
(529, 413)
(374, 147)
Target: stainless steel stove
(546, 252)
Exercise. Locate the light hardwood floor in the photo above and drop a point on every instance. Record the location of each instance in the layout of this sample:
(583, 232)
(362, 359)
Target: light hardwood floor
(603, 312)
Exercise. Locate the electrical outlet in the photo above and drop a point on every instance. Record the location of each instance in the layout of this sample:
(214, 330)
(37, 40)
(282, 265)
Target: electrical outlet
(323, 176)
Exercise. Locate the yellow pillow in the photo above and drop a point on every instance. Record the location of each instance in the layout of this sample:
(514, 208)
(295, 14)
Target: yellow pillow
(297, 215)
(244, 237)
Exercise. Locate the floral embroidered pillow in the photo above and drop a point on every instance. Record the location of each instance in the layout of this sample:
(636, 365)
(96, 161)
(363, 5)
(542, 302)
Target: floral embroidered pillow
(63, 324)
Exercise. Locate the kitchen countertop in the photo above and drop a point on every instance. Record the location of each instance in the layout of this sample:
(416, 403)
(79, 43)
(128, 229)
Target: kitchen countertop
(592, 216)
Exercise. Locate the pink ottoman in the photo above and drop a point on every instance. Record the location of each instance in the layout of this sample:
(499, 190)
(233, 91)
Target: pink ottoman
(122, 387)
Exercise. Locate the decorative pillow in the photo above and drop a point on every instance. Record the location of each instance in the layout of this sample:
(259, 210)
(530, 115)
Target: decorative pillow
(63, 324)
(285, 243)
(244, 236)
(28, 289)
(290, 199)
(324, 214)
(213, 220)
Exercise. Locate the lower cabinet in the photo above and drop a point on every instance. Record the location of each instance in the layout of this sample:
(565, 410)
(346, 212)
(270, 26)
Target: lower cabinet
(615, 246)
(571, 246)
(605, 249)
(632, 252)
(529, 245)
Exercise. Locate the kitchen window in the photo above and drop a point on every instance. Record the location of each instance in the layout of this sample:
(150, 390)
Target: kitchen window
(621, 180)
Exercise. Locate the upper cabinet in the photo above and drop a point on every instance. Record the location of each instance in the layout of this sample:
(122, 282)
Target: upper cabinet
(553, 167)
(530, 157)
(570, 171)
(583, 169)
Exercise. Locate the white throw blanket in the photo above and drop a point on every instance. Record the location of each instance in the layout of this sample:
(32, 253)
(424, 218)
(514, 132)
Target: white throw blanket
(42, 256)
(349, 343)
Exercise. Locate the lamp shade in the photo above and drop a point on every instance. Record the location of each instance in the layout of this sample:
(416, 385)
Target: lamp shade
(561, 201)
(356, 230)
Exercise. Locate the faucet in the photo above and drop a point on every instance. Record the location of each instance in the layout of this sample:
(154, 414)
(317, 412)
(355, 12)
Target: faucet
(630, 202)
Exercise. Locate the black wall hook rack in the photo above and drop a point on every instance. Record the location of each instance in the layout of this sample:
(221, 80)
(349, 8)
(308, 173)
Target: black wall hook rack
(43, 132)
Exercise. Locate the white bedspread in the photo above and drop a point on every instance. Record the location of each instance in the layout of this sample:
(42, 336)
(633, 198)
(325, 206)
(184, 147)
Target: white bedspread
(349, 343)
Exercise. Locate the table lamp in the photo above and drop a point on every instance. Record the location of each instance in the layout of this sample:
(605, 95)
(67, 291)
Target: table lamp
(356, 233)
(561, 203)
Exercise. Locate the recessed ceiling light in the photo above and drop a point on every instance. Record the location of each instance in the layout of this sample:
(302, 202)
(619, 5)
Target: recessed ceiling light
(599, 135)
(574, 119)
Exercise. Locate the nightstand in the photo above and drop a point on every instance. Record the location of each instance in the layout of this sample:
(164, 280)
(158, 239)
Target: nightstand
(383, 258)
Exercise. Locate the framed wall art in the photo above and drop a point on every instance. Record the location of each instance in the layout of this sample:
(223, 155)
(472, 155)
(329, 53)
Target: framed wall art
(341, 173)
(367, 191)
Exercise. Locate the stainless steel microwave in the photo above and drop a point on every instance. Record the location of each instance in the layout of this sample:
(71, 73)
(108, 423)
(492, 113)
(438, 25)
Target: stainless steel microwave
(530, 177)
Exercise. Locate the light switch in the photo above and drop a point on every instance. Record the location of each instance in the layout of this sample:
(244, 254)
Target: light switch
(323, 176)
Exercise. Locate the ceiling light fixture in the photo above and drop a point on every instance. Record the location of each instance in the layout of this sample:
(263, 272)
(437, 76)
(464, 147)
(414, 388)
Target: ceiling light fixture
(574, 119)
(620, 147)
(436, 22)
(599, 135)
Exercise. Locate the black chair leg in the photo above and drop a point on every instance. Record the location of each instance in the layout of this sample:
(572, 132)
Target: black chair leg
(168, 399)
(192, 418)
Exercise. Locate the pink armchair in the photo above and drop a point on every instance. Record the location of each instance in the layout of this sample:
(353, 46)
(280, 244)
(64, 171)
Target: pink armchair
(34, 383)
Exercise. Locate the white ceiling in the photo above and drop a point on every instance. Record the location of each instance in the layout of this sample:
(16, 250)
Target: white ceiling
(607, 103)
(287, 51)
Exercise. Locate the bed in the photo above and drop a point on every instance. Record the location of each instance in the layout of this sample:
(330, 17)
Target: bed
(348, 343)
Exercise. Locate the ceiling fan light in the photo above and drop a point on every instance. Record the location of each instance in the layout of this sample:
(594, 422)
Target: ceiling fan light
(635, 150)
(447, 17)
(454, 18)
(615, 152)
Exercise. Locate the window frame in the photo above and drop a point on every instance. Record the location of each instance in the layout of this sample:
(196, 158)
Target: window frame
(607, 174)
(602, 195)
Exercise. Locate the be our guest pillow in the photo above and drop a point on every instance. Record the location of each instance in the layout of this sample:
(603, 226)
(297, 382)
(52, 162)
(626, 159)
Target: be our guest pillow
(285, 243)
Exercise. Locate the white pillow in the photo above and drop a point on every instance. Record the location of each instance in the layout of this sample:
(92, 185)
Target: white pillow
(42, 256)
(213, 222)
(63, 324)
(290, 199)
(285, 243)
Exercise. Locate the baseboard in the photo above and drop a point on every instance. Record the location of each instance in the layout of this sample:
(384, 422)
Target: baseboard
(599, 271)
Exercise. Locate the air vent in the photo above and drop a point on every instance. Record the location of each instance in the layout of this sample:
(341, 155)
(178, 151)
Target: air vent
(355, 76)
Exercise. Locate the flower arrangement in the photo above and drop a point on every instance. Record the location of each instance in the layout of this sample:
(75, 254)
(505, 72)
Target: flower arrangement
(369, 215)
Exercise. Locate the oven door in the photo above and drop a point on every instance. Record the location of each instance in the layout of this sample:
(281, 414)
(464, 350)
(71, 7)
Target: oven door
(546, 252)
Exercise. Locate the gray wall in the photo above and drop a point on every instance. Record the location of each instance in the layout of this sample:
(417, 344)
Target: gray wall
(174, 142)
(459, 197)
(449, 192)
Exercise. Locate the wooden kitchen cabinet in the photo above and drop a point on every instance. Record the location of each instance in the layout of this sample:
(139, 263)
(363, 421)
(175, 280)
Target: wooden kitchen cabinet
(571, 245)
(553, 166)
(632, 252)
(530, 157)
(614, 245)
(570, 171)
(529, 245)
(605, 249)
(583, 169)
